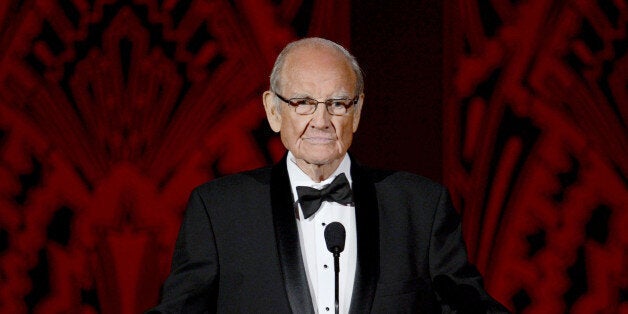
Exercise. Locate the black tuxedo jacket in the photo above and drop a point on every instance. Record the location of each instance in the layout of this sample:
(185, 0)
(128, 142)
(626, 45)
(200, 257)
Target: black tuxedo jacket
(238, 249)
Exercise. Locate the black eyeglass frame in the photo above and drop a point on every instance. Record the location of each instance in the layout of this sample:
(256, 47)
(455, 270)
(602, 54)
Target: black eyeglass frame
(328, 103)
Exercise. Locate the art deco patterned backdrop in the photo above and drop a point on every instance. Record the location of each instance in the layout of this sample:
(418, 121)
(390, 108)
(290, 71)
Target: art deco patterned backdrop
(536, 149)
(111, 111)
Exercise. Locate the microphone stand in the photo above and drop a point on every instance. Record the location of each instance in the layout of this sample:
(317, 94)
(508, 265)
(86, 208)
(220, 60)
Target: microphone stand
(337, 272)
(335, 235)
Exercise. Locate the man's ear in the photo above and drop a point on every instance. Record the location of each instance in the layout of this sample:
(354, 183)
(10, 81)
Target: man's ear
(357, 112)
(272, 113)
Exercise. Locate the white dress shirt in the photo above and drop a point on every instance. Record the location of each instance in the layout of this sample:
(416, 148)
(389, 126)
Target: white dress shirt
(319, 262)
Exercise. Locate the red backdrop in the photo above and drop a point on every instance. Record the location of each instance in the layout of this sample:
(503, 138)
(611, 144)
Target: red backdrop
(536, 149)
(112, 111)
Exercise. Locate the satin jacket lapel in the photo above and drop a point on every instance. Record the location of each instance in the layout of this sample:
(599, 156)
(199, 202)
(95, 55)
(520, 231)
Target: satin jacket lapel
(287, 237)
(367, 222)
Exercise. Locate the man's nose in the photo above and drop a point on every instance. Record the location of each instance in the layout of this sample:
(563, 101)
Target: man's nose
(321, 118)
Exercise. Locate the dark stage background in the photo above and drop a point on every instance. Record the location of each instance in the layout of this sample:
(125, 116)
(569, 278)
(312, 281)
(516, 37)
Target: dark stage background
(112, 111)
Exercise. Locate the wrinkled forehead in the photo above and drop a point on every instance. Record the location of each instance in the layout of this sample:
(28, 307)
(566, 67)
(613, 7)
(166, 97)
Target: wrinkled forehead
(318, 64)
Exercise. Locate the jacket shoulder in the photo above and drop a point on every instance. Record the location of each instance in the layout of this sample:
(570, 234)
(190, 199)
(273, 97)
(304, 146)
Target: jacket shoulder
(403, 180)
(251, 178)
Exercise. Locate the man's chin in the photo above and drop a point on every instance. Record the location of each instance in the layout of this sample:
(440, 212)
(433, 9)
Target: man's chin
(316, 141)
(319, 155)
(322, 160)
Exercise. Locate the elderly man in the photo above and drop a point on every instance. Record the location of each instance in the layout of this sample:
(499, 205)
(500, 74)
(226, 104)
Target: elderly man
(256, 242)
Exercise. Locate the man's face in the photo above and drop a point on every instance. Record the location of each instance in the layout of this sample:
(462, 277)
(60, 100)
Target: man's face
(319, 138)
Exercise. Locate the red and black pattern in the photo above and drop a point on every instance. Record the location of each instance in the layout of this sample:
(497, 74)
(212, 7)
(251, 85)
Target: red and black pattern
(110, 113)
(536, 149)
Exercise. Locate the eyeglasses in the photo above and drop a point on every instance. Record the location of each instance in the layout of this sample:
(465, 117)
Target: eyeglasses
(306, 106)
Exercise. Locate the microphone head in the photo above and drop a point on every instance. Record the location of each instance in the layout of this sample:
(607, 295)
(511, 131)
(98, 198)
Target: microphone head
(335, 235)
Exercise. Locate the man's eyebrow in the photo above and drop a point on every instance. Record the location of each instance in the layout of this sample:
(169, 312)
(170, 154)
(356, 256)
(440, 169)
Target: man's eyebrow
(340, 95)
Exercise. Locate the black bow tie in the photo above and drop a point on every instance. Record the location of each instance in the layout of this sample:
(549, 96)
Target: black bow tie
(311, 199)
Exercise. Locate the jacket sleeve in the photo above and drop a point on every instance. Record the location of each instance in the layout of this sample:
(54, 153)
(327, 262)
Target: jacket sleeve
(457, 283)
(192, 284)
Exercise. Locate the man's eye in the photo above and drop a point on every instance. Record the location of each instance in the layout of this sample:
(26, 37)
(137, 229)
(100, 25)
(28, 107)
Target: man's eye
(300, 102)
(337, 103)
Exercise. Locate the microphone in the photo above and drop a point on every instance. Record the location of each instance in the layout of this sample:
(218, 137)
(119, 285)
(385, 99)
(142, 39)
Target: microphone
(335, 235)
